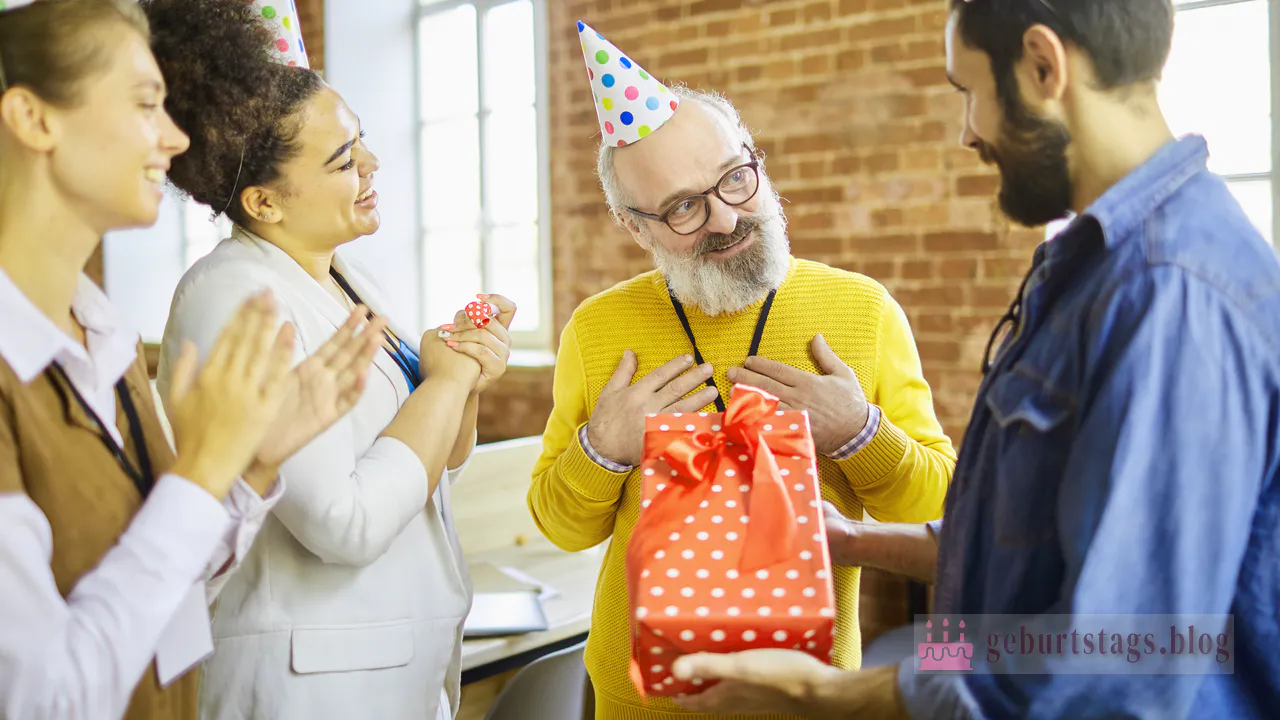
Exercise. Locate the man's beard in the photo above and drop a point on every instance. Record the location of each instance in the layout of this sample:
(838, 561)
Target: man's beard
(730, 284)
(1035, 179)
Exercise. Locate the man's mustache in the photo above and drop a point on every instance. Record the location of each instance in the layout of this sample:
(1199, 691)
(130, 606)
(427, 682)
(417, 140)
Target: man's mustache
(720, 241)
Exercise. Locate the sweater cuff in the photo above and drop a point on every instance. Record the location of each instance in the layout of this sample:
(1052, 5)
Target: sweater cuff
(879, 457)
(587, 477)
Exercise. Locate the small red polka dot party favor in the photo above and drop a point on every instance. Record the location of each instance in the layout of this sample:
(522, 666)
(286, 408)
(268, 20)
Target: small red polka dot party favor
(480, 313)
(730, 552)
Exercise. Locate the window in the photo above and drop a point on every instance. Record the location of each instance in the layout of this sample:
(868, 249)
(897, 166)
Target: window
(1218, 83)
(483, 164)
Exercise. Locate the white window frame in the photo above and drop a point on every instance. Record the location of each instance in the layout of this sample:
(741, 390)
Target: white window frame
(1273, 12)
(530, 347)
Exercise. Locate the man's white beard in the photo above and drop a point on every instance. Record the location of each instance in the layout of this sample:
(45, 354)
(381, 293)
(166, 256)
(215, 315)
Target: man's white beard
(729, 285)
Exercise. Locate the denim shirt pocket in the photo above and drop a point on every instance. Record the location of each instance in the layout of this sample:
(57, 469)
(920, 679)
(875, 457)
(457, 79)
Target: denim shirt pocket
(1032, 436)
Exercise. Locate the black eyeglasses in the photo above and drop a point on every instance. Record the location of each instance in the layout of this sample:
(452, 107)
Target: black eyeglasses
(689, 214)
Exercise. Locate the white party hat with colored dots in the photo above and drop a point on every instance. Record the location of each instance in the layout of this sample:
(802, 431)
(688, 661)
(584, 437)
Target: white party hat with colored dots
(630, 103)
(281, 18)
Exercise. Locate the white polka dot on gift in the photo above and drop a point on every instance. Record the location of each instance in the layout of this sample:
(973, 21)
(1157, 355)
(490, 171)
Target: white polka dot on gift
(730, 472)
(796, 611)
(784, 472)
(731, 504)
(656, 669)
(687, 554)
(748, 593)
(673, 573)
(717, 592)
(716, 489)
(733, 612)
(762, 574)
(793, 574)
(656, 591)
(765, 612)
(780, 636)
(717, 554)
(687, 635)
(749, 635)
(716, 519)
(656, 650)
(732, 574)
(672, 611)
(731, 536)
(663, 428)
(806, 555)
(687, 592)
(648, 471)
(703, 574)
(779, 592)
(642, 613)
(702, 612)
(703, 536)
(717, 635)
(809, 592)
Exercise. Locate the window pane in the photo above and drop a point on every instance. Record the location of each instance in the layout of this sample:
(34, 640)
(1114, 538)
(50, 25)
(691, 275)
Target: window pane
(451, 174)
(452, 274)
(447, 52)
(511, 166)
(512, 256)
(508, 55)
(1255, 198)
(1217, 83)
(200, 232)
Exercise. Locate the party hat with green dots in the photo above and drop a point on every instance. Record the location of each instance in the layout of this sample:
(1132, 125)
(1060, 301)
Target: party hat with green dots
(281, 18)
(630, 103)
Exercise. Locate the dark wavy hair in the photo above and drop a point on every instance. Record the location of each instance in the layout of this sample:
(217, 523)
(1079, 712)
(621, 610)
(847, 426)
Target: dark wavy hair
(1128, 41)
(242, 110)
(50, 47)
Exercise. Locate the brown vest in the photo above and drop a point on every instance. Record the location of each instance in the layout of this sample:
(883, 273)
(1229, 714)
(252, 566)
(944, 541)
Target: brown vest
(51, 450)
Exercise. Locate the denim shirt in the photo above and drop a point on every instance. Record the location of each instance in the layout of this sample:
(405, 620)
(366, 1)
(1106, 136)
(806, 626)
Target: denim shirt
(1122, 454)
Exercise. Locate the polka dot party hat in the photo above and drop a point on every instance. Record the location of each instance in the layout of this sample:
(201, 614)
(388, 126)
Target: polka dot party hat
(281, 17)
(630, 103)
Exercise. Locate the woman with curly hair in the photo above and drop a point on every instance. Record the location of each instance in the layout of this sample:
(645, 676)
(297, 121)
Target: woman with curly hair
(351, 603)
(107, 538)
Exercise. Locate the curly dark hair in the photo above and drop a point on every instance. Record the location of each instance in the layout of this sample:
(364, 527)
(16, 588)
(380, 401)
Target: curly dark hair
(241, 108)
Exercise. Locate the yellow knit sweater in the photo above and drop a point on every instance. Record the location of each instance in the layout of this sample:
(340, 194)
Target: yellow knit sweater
(902, 475)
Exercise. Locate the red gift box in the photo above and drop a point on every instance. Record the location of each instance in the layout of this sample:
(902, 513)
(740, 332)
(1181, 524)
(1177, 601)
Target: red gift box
(730, 552)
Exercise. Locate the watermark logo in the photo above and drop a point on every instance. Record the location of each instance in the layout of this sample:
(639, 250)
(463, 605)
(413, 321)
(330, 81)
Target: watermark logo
(1077, 644)
(945, 655)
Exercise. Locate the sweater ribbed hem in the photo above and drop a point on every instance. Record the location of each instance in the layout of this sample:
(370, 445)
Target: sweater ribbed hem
(587, 477)
(879, 457)
(608, 708)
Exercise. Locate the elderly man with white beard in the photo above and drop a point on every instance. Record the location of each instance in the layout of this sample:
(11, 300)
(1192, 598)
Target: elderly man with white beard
(726, 304)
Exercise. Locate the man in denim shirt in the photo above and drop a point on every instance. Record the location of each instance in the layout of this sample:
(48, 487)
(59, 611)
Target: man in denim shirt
(1122, 457)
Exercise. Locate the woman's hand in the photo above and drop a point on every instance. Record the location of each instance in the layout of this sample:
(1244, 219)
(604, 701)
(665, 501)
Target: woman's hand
(322, 389)
(438, 361)
(221, 414)
(490, 346)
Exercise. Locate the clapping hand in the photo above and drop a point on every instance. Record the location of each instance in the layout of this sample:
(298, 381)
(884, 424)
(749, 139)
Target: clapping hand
(322, 389)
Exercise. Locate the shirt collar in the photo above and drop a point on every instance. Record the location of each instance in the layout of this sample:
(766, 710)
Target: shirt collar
(30, 342)
(1124, 207)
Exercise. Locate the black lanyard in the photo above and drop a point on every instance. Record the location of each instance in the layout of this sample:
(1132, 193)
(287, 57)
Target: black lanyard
(697, 355)
(397, 355)
(142, 478)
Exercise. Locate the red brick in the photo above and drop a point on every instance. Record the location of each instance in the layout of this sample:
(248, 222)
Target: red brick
(883, 244)
(846, 165)
(812, 169)
(890, 217)
(917, 269)
(719, 28)
(937, 297)
(882, 162)
(809, 244)
(960, 241)
(749, 73)
(851, 60)
(927, 77)
(958, 269)
(879, 269)
(932, 322)
(813, 143)
(817, 12)
(938, 351)
(711, 6)
(881, 29)
(686, 57)
(811, 39)
(890, 53)
(925, 50)
(780, 18)
(853, 7)
(812, 221)
(816, 64)
(1004, 268)
(977, 185)
(809, 196)
(991, 297)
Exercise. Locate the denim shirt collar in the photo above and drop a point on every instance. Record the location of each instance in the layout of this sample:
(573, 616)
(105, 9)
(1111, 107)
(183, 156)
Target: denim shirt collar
(1126, 205)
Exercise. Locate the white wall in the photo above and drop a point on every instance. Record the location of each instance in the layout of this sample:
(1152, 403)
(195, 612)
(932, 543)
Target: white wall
(370, 59)
(142, 269)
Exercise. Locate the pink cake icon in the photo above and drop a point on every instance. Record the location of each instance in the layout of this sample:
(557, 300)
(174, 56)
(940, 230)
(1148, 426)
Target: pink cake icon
(945, 655)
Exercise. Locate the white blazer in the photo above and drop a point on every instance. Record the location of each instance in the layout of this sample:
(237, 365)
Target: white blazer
(351, 602)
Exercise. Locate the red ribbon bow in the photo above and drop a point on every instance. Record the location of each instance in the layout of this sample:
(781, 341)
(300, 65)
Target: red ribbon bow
(770, 536)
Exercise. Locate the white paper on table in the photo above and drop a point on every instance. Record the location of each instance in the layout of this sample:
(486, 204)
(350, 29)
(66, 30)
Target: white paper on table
(546, 592)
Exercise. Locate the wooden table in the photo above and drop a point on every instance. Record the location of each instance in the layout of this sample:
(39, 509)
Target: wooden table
(568, 614)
